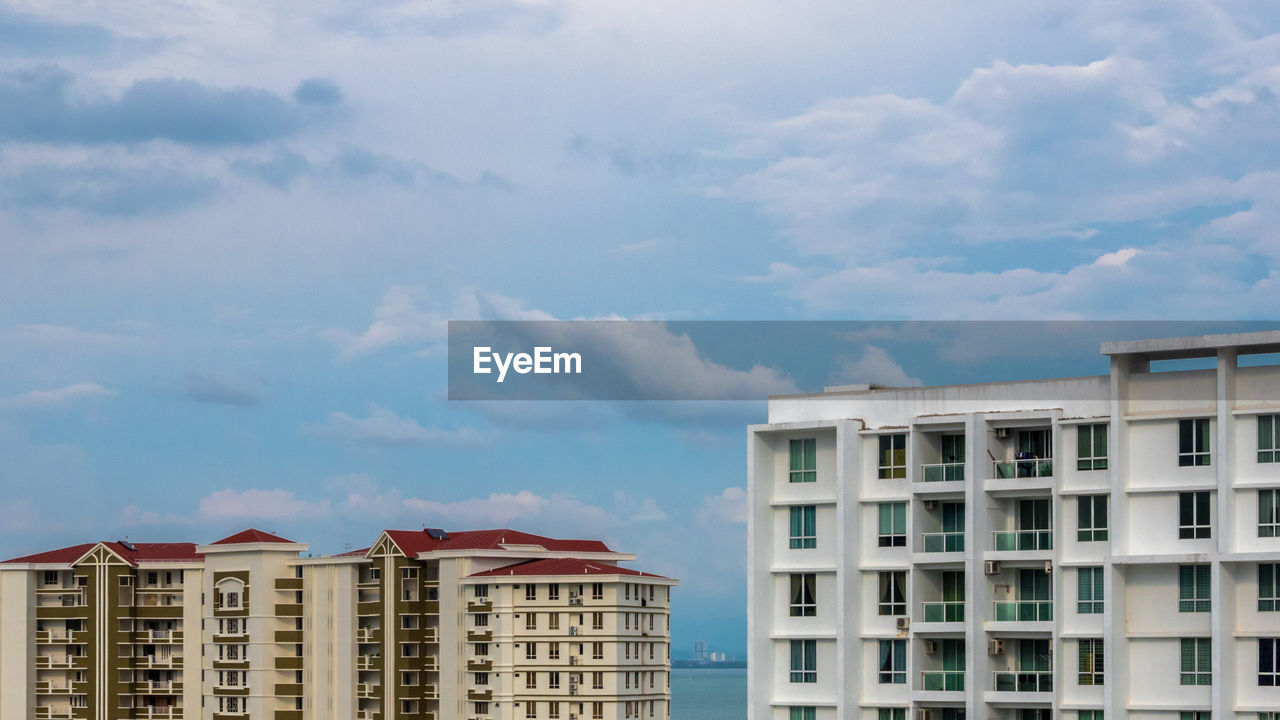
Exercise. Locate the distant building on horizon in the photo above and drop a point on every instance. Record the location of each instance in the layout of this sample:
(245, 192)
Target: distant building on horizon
(422, 625)
(1067, 548)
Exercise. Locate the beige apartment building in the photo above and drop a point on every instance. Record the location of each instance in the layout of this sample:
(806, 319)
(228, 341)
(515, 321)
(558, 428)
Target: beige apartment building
(428, 625)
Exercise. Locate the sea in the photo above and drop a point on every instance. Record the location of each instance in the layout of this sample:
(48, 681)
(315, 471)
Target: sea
(708, 694)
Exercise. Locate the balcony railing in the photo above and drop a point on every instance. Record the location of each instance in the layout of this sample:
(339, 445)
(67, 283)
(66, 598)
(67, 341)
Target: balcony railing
(1010, 469)
(1006, 540)
(1023, 611)
(1036, 681)
(944, 611)
(933, 542)
(943, 472)
(942, 680)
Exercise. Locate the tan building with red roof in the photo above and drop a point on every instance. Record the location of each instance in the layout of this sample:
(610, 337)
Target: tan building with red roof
(423, 624)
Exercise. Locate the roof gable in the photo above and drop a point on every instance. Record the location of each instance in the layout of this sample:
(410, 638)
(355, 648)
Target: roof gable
(251, 536)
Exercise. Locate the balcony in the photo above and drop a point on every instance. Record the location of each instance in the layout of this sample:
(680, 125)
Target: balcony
(480, 695)
(369, 635)
(1022, 469)
(368, 662)
(480, 606)
(942, 680)
(1022, 540)
(368, 690)
(942, 542)
(1040, 681)
(943, 611)
(371, 607)
(479, 636)
(1022, 611)
(942, 472)
(293, 583)
(479, 665)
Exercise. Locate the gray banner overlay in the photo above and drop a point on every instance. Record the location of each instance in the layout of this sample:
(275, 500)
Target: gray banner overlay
(753, 360)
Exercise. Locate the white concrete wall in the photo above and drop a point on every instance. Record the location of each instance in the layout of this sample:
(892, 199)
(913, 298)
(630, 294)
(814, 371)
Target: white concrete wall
(17, 653)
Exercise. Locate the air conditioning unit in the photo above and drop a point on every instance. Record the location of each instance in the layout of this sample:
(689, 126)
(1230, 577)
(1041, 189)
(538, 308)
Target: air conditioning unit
(930, 504)
(930, 647)
(924, 714)
(995, 647)
(573, 594)
(1048, 567)
(991, 567)
(573, 691)
(573, 631)
(1003, 432)
(904, 624)
(573, 659)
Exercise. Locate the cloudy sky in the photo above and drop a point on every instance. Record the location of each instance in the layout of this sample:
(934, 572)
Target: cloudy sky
(230, 236)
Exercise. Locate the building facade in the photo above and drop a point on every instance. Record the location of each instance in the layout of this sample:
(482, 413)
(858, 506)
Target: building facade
(425, 625)
(1074, 548)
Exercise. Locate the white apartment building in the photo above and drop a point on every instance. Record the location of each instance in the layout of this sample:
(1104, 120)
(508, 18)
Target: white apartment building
(1073, 548)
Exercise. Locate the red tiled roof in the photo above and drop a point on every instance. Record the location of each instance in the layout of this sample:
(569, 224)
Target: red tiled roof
(251, 536)
(563, 566)
(353, 553)
(142, 552)
(413, 542)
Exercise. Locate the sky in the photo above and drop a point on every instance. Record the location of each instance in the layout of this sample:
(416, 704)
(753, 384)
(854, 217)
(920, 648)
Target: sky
(231, 235)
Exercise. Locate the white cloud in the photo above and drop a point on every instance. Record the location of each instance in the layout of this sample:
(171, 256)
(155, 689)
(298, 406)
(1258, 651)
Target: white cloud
(397, 321)
(58, 397)
(874, 366)
(385, 428)
(730, 506)
(229, 504)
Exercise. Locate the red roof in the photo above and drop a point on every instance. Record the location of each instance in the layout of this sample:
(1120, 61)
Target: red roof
(563, 566)
(413, 542)
(251, 536)
(142, 552)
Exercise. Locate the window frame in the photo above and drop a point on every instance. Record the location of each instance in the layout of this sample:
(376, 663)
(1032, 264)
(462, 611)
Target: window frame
(1087, 440)
(1090, 593)
(1268, 587)
(896, 605)
(1194, 449)
(894, 652)
(1088, 528)
(804, 661)
(1269, 512)
(1268, 438)
(1198, 502)
(1269, 652)
(1195, 588)
(804, 595)
(1092, 670)
(804, 521)
(891, 460)
(803, 460)
(1200, 670)
(897, 513)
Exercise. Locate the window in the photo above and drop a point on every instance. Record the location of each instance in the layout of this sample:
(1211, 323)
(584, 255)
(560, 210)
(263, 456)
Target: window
(1268, 438)
(482, 678)
(1269, 513)
(1089, 715)
(804, 661)
(553, 650)
(1195, 715)
(597, 651)
(804, 460)
(530, 592)
(530, 709)
(893, 456)
(1269, 715)
(531, 621)
(1091, 447)
(1197, 662)
(1268, 587)
(553, 680)
(482, 591)
(1193, 515)
(1268, 667)
(1193, 588)
(531, 651)
(1193, 442)
(597, 621)
(804, 527)
(553, 591)
(893, 662)
(531, 680)
(597, 710)
(1089, 590)
(597, 591)
(1091, 516)
(553, 621)
(597, 681)
(893, 594)
(892, 714)
(803, 595)
(893, 524)
(804, 713)
(1091, 661)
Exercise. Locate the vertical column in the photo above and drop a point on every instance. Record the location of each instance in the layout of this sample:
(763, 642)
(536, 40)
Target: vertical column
(848, 597)
(761, 546)
(1223, 458)
(976, 528)
(1116, 690)
(1058, 580)
(17, 643)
